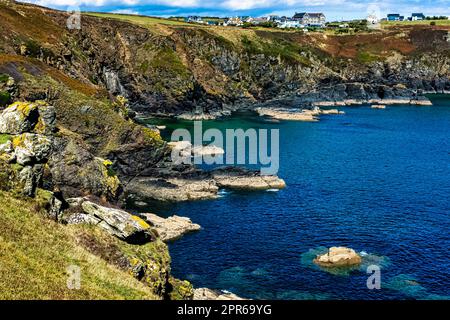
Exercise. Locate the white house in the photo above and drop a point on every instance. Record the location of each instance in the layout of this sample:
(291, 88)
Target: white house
(290, 24)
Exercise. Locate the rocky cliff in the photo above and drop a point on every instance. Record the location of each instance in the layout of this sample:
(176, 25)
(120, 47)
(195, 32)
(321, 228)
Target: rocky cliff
(168, 70)
(69, 144)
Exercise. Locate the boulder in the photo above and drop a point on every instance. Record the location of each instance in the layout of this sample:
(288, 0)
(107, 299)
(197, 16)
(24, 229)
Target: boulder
(18, 118)
(31, 148)
(208, 294)
(171, 228)
(7, 147)
(77, 172)
(30, 178)
(338, 257)
(119, 223)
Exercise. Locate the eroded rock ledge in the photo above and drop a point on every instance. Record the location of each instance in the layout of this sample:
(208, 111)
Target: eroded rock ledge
(171, 228)
(198, 185)
(208, 294)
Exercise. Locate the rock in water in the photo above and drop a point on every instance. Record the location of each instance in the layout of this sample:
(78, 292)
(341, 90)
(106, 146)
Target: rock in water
(171, 228)
(242, 179)
(208, 294)
(338, 257)
(119, 223)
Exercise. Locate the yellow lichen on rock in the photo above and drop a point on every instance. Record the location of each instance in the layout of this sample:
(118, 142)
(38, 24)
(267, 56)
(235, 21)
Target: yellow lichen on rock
(141, 222)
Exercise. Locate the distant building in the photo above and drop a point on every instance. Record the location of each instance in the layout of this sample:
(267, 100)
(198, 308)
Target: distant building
(393, 17)
(286, 24)
(310, 19)
(257, 21)
(417, 16)
(195, 19)
(235, 21)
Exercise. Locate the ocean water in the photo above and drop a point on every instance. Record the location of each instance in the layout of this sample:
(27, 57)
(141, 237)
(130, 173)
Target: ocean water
(377, 181)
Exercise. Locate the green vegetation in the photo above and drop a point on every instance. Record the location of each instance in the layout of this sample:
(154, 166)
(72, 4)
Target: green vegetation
(168, 60)
(288, 51)
(37, 252)
(3, 78)
(419, 22)
(5, 98)
(142, 20)
(4, 138)
(366, 57)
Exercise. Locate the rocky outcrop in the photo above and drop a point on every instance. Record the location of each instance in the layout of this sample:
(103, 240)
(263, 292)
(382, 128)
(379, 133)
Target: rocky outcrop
(171, 228)
(77, 172)
(243, 179)
(208, 294)
(116, 222)
(338, 257)
(307, 115)
(146, 189)
(19, 118)
(27, 151)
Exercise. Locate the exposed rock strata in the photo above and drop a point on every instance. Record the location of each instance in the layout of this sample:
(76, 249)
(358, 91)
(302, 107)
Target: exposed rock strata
(171, 228)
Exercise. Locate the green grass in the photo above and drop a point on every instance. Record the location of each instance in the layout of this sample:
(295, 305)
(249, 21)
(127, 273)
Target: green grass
(366, 57)
(413, 23)
(36, 252)
(142, 20)
(168, 60)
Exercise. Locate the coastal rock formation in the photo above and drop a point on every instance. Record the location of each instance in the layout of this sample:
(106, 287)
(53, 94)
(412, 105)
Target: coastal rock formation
(307, 115)
(243, 179)
(208, 294)
(171, 228)
(118, 223)
(146, 189)
(186, 150)
(338, 257)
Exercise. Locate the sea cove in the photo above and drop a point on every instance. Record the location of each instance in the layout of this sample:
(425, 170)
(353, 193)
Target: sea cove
(374, 180)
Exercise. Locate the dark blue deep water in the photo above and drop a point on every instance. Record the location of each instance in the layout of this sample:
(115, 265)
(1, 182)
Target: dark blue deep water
(377, 181)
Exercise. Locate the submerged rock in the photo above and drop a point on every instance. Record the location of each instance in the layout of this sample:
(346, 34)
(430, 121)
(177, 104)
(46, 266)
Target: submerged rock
(208, 294)
(338, 257)
(171, 228)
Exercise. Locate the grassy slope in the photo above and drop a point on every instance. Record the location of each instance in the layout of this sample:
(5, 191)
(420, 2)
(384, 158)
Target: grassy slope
(142, 20)
(35, 254)
(415, 23)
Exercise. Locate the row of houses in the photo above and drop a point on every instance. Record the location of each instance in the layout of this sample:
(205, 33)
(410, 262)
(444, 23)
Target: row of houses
(398, 17)
(299, 20)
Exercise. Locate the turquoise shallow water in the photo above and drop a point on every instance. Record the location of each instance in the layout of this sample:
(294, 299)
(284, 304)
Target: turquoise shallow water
(377, 181)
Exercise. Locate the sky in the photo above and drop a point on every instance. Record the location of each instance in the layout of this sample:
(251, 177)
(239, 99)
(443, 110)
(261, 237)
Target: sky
(333, 9)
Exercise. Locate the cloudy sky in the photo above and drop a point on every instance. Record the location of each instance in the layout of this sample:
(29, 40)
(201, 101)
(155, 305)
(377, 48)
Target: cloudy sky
(334, 9)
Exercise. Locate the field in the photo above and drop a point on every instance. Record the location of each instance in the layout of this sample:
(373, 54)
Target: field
(413, 23)
(142, 20)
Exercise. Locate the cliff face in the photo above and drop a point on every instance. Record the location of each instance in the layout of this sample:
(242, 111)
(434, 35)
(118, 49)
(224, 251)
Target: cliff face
(176, 69)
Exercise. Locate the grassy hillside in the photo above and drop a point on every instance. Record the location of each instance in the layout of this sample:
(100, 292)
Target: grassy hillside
(36, 252)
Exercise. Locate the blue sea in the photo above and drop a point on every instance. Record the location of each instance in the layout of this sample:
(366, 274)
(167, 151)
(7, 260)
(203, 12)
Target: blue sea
(377, 181)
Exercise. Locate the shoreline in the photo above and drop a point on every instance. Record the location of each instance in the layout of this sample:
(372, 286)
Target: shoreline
(267, 109)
